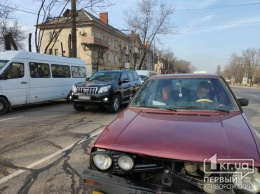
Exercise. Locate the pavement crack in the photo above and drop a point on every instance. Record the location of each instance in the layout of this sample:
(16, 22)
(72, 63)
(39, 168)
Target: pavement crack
(32, 177)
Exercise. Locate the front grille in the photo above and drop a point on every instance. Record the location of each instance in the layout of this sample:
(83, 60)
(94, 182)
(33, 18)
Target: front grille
(87, 90)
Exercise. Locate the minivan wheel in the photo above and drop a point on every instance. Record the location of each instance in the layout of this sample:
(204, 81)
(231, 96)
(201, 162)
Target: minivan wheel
(78, 107)
(3, 106)
(115, 104)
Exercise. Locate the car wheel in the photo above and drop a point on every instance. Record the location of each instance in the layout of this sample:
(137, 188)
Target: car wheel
(115, 104)
(78, 107)
(3, 106)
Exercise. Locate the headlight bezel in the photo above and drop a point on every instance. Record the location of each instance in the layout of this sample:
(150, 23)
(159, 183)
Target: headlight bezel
(104, 89)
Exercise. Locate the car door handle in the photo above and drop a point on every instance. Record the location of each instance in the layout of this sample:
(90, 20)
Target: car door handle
(23, 82)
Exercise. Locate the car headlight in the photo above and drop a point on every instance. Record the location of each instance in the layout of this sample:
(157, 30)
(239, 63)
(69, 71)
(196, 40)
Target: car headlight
(74, 89)
(104, 89)
(102, 161)
(248, 179)
(125, 162)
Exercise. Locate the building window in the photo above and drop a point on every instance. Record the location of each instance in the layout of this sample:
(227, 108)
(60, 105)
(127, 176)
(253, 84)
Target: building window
(56, 52)
(108, 57)
(109, 41)
(50, 51)
(50, 35)
(115, 58)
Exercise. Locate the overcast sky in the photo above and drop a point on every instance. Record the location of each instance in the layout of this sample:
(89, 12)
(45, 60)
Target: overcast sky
(207, 31)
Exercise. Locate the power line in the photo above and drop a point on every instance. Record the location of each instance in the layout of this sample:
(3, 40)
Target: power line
(214, 25)
(203, 7)
(18, 9)
(217, 6)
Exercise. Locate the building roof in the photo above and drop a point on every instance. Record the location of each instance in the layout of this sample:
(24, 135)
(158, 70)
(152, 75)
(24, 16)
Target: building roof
(83, 19)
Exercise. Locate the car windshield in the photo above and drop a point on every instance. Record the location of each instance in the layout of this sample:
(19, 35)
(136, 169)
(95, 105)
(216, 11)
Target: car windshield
(105, 76)
(2, 63)
(186, 93)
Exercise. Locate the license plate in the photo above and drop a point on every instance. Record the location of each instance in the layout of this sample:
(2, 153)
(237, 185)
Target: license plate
(84, 97)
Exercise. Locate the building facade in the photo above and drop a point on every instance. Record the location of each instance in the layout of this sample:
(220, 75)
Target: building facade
(101, 45)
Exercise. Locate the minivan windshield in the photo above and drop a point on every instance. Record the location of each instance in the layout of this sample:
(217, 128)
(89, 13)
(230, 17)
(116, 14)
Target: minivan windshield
(2, 63)
(185, 93)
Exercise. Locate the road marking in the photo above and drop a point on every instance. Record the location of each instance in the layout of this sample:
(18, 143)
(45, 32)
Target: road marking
(253, 95)
(10, 176)
(10, 118)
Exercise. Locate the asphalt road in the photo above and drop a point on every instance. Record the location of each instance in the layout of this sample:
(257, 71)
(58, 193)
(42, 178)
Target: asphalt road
(252, 111)
(44, 148)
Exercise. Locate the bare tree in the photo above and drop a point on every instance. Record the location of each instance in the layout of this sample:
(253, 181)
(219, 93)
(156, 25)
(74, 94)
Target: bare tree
(183, 66)
(5, 11)
(149, 20)
(251, 62)
(51, 12)
(11, 34)
(235, 70)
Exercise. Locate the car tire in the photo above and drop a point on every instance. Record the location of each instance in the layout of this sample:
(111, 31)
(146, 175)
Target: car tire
(115, 104)
(78, 107)
(3, 106)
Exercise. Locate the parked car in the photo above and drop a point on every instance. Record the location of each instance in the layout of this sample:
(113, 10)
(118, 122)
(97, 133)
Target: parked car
(109, 88)
(191, 143)
(144, 74)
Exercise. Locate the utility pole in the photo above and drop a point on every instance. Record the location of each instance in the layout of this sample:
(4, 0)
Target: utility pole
(73, 29)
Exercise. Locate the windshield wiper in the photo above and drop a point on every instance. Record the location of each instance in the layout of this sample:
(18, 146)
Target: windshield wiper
(171, 108)
(147, 106)
(222, 110)
(195, 107)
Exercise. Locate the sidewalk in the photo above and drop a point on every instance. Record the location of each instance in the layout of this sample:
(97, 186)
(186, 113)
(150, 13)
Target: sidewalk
(256, 87)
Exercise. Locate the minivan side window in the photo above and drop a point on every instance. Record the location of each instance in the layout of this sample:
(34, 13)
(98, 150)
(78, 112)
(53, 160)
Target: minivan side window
(59, 71)
(15, 70)
(39, 70)
(78, 71)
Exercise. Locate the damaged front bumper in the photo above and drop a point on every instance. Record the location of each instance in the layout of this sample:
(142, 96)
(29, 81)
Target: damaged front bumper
(116, 185)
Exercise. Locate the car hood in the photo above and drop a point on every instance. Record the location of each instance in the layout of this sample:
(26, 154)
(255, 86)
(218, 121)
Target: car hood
(189, 136)
(94, 83)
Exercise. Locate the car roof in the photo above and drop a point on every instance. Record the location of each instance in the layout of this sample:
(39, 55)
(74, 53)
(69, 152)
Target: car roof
(185, 75)
(116, 71)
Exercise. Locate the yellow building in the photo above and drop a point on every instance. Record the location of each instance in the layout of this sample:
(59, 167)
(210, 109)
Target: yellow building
(98, 43)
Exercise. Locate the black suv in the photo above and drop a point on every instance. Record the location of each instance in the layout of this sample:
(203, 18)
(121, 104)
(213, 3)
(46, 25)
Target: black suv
(106, 88)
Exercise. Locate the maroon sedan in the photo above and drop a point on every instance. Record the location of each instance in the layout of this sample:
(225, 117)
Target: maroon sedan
(182, 133)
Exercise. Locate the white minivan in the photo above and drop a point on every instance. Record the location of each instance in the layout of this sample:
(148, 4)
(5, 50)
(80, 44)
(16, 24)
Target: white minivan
(144, 74)
(27, 77)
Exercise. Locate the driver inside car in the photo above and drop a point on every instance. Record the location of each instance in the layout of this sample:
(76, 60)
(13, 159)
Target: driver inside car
(203, 92)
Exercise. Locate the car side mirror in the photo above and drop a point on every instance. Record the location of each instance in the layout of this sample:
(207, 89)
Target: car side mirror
(87, 79)
(125, 80)
(243, 101)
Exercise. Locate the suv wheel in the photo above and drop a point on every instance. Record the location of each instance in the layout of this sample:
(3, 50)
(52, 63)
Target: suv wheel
(115, 104)
(3, 106)
(78, 107)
